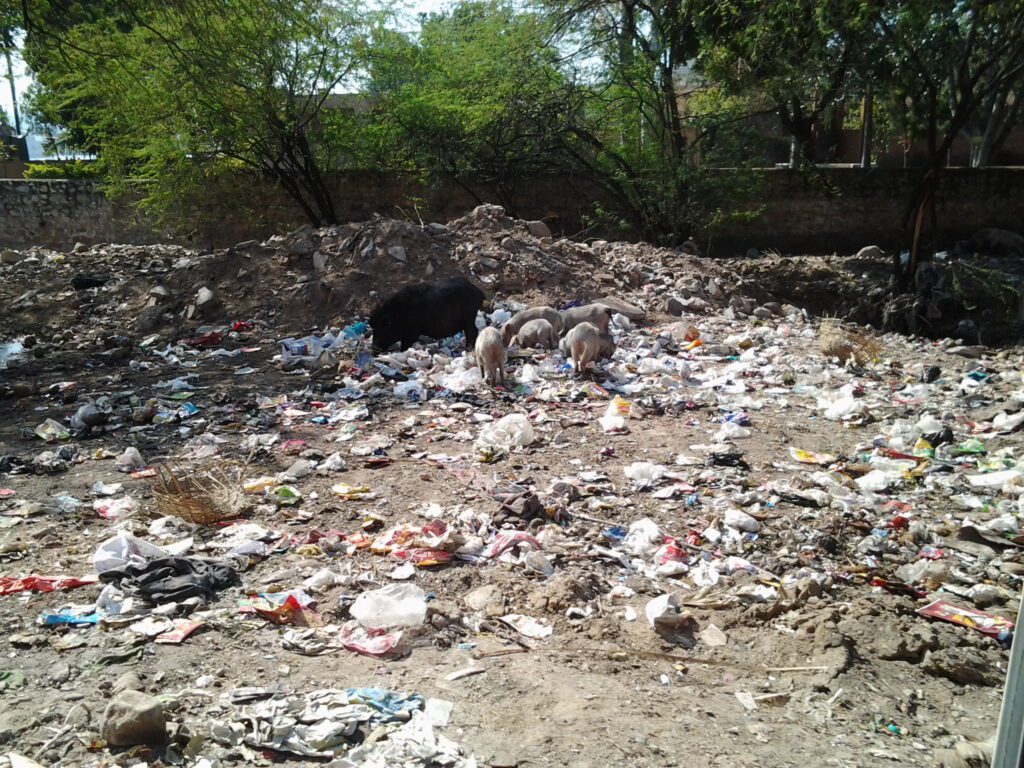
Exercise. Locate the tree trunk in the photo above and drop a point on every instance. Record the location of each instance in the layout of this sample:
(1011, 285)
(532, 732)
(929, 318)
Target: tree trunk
(867, 128)
(8, 44)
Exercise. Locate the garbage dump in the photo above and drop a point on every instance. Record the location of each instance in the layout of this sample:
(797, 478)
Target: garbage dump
(237, 531)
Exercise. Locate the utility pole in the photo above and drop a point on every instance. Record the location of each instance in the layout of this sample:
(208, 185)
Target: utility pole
(1009, 749)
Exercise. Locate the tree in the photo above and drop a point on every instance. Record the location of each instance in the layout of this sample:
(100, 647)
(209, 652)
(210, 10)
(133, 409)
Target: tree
(172, 93)
(949, 60)
(10, 21)
(800, 56)
(476, 97)
(660, 140)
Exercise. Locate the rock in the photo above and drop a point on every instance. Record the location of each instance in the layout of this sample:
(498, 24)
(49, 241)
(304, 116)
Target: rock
(435, 228)
(148, 319)
(128, 681)
(870, 252)
(7, 256)
(974, 351)
(29, 341)
(774, 307)
(712, 636)
(690, 248)
(319, 260)
(488, 263)
(604, 277)
(753, 253)
(205, 296)
(508, 243)
(674, 306)
(80, 247)
(300, 242)
(714, 290)
(763, 312)
(397, 253)
(966, 666)
(487, 600)
(247, 245)
(159, 291)
(631, 311)
(133, 718)
(538, 229)
(997, 242)
(696, 305)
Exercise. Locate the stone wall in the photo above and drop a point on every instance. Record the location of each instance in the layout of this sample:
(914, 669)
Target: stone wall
(820, 210)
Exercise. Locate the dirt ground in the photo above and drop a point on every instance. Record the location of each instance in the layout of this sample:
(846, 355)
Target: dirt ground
(811, 663)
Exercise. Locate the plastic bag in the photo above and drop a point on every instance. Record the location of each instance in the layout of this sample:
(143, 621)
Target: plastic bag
(644, 474)
(124, 549)
(396, 605)
(643, 538)
(509, 432)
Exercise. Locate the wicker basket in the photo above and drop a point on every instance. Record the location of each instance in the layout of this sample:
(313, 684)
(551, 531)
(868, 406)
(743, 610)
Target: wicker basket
(836, 341)
(200, 495)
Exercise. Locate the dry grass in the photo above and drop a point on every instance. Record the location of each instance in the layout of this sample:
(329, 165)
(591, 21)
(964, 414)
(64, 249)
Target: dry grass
(200, 495)
(844, 344)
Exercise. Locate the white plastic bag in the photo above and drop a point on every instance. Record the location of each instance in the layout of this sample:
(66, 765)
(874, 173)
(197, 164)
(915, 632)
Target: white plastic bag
(509, 432)
(396, 605)
(124, 549)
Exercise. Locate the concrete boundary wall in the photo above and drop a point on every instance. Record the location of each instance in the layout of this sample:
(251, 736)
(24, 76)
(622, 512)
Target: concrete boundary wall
(816, 211)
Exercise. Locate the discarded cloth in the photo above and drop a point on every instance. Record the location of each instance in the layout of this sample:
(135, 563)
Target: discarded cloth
(173, 579)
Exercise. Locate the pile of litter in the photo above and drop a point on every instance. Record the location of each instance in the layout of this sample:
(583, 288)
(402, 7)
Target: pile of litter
(772, 510)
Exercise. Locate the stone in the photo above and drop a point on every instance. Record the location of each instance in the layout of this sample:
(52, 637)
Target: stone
(435, 228)
(159, 291)
(148, 319)
(247, 245)
(80, 247)
(966, 666)
(486, 599)
(128, 681)
(538, 229)
(870, 252)
(712, 636)
(300, 242)
(631, 311)
(774, 307)
(508, 243)
(397, 253)
(488, 263)
(8, 256)
(753, 253)
(604, 277)
(714, 290)
(763, 312)
(133, 719)
(674, 306)
(205, 297)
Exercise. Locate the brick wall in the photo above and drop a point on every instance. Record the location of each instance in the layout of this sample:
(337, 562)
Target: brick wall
(820, 211)
(841, 209)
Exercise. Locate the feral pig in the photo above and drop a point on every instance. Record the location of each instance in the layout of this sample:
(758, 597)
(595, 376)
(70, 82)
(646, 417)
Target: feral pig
(435, 310)
(607, 347)
(582, 344)
(490, 356)
(537, 334)
(517, 321)
(596, 314)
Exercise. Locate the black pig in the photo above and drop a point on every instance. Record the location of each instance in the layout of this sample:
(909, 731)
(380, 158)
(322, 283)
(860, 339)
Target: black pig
(436, 310)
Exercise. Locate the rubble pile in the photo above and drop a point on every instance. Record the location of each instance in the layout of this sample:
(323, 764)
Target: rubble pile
(232, 533)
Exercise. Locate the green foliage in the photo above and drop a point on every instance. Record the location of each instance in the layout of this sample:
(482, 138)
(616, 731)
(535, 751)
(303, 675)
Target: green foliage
(64, 169)
(476, 95)
(175, 94)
